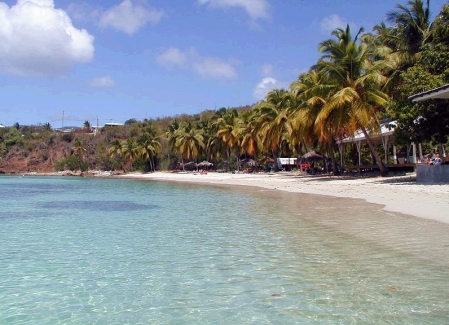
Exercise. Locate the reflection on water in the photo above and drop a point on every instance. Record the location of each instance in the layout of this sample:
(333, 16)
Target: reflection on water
(154, 253)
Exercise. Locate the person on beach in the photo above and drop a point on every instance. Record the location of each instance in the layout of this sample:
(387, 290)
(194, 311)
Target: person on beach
(430, 158)
(437, 159)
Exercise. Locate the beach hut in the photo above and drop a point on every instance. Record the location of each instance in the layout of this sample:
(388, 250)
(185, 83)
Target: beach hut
(205, 164)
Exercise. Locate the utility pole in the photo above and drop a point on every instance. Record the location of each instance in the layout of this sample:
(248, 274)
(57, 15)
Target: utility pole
(62, 126)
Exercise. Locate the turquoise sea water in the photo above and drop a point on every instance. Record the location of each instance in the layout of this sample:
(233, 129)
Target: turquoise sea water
(115, 251)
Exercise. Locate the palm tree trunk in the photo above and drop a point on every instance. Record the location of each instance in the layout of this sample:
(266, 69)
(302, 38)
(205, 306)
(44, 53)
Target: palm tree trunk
(276, 167)
(237, 158)
(334, 165)
(379, 162)
(298, 156)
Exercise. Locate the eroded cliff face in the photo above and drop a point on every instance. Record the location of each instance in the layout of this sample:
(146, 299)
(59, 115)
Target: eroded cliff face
(40, 159)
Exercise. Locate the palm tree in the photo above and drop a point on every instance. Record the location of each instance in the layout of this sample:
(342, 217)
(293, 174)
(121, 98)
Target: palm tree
(87, 125)
(400, 45)
(47, 127)
(412, 26)
(189, 141)
(79, 150)
(130, 150)
(355, 95)
(148, 148)
(170, 134)
(115, 149)
(310, 93)
(273, 123)
(251, 143)
(230, 130)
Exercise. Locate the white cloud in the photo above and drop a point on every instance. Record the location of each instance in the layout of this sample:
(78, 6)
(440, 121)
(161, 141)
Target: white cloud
(129, 17)
(330, 23)
(214, 68)
(102, 82)
(172, 57)
(206, 67)
(255, 8)
(38, 39)
(266, 85)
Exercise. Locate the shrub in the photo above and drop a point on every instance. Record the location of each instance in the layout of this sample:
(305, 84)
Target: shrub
(67, 137)
(71, 163)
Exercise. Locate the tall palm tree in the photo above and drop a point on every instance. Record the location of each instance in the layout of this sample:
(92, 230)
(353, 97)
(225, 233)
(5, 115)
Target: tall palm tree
(401, 43)
(355, 96)
(170, 134)
(310, 93)
(79, 150)
(230, 130)
(189, 140)
(273, 123)
(148, 147)
(251, 143)
(412, 26)
(130, 150)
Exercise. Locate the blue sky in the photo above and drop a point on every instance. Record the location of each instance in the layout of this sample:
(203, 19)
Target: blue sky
(112, 60)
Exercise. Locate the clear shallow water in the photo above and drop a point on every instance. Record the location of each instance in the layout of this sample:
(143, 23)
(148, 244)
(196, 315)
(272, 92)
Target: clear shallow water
(110, 251)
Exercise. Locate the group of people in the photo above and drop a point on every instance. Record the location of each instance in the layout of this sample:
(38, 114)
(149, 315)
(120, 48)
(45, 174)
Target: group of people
(433, 159)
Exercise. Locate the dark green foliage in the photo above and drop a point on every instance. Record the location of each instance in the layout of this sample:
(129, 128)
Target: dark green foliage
(131, 121)
(67, 137)
(71, 163)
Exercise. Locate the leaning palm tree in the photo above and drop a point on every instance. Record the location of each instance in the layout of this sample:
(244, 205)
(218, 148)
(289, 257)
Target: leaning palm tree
(355, 95)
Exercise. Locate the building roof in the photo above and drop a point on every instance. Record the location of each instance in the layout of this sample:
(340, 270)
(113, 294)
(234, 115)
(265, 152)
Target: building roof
(386, 129)
(113, 124)
(440, 92)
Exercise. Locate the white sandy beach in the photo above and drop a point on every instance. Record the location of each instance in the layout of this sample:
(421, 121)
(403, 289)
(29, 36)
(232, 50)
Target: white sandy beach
(397, 194)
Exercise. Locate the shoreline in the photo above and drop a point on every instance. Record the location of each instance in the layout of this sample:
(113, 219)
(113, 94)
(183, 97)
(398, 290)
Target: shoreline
(398, 194)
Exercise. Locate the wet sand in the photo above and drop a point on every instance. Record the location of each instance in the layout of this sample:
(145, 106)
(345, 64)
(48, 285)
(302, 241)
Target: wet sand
(396, 194)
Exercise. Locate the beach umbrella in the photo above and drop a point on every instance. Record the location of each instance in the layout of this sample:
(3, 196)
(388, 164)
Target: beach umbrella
(205, 163)
(312, 155)
(189, 164)
(248, 162)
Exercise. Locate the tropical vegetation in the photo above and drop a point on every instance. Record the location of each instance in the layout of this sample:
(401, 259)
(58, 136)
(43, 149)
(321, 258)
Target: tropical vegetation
(361, 80)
